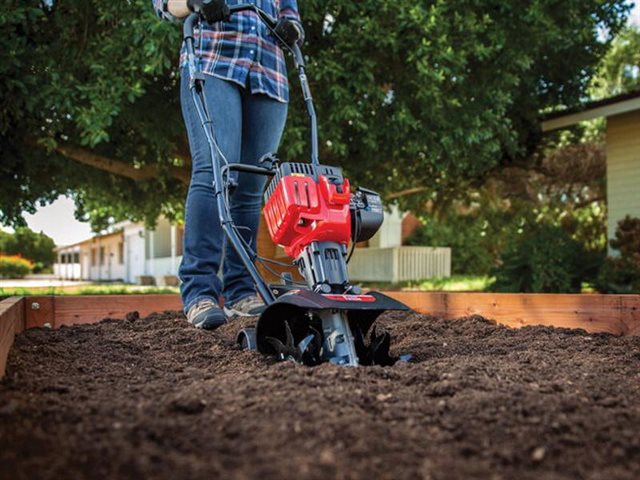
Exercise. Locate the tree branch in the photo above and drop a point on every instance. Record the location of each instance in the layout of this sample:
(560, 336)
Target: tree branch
(117, 167)
(405, 193)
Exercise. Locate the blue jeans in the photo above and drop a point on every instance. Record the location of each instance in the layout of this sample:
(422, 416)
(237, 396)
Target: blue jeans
(246, 127)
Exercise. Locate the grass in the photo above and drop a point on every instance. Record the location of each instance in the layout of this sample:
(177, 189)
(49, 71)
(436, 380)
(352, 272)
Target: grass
(99, 289)
(455, 283)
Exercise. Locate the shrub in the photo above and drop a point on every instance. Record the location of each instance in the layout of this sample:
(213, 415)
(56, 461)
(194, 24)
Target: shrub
(470, 245)
(545, 260)
(37, 247)
(622, 274)
(14, 266)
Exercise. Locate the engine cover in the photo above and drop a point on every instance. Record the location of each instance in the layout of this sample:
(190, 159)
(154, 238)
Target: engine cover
(308, 204)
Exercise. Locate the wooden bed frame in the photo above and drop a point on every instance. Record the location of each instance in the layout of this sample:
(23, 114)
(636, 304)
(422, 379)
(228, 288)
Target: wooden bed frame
(615, 314)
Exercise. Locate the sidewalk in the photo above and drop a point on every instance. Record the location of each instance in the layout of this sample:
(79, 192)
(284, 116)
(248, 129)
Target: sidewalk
(40, 281)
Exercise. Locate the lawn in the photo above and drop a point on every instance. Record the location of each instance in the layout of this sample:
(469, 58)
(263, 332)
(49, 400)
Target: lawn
(455, 283)
(97, 289)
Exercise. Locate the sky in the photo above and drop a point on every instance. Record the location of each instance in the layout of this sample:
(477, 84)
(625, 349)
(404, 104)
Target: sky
(634, 19)
(57, 220)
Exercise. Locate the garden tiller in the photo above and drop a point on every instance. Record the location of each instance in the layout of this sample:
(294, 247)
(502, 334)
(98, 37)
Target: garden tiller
(310, 210)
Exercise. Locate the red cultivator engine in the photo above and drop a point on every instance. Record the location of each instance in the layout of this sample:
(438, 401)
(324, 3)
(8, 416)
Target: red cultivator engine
(312, 212)
(306, 204)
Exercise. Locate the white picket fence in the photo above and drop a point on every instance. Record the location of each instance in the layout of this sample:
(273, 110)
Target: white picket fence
(398, 264)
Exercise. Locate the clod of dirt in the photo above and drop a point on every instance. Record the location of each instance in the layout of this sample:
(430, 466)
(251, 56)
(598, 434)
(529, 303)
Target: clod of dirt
(155, 398)
(189, 406)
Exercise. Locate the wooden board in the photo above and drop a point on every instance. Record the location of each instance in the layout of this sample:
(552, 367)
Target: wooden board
(74, 310)
(617, 314)
(39, 312)
(11, 323)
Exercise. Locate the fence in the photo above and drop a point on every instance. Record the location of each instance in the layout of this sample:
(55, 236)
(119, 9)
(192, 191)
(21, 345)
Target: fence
(399, 264)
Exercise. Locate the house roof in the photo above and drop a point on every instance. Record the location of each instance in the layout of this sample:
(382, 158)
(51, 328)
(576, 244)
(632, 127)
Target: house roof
(90, 240)
(627, 102)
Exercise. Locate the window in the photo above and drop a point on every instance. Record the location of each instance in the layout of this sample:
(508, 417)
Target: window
(76, 257)
(101, 255)
(121, 253)
(93, 257)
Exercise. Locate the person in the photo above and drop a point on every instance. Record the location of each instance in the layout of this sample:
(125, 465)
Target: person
(247, 93)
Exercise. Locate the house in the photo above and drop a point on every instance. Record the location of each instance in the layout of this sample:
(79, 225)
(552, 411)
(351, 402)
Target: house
(100, 258)
(135, 254)
(131, 254)
(622, 115)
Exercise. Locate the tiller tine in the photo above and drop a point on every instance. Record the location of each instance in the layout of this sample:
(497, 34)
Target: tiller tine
(311, 328)
(379, 349)
(311, 348)
(288, 350)
(377, 352)
(308, 351)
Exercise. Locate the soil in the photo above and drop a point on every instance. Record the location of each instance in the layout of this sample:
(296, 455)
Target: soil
(155, 398)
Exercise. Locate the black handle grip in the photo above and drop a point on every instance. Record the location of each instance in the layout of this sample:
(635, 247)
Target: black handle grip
(189, 24)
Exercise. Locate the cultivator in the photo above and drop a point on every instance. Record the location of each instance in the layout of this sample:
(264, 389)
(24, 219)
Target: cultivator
(310, 210)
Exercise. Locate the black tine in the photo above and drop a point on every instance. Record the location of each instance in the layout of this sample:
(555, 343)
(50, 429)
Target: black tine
(305, 343)
(358, 341)
(381, 355)
(376, 340)
(316, 354)
(290, 341)
(317, 339)
(276, 344)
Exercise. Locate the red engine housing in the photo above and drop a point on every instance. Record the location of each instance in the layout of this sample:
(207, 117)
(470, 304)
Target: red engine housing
(301, 210)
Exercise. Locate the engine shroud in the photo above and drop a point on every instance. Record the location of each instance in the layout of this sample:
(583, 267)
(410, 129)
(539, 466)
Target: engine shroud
(306, 203)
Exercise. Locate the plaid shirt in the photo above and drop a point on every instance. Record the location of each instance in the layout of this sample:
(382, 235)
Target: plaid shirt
(243, 50)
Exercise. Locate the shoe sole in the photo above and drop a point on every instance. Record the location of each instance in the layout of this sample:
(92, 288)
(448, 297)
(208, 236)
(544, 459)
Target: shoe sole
(211, 321)
(231, 313)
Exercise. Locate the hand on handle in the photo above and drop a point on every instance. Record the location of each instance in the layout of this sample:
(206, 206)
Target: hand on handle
(212, 11)
(290, 32)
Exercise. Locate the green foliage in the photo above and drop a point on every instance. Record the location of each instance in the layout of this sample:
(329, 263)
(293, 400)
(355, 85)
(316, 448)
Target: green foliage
(410, 94)
(621, 274)
(14, 266)
(97, 75)
(563, 186)
(619, 71)
(455, 283)
(37, 247)
(474, 241)
(95, 289)
(545, 260)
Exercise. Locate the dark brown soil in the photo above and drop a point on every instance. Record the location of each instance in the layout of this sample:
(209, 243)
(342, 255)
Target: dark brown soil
(154, 398)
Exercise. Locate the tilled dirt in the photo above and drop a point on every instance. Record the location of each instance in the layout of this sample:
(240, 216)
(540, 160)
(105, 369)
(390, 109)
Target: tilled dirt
(154, 398)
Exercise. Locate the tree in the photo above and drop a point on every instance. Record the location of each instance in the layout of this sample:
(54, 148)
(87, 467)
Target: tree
(36, 247)
(414, 97)
(619, 71)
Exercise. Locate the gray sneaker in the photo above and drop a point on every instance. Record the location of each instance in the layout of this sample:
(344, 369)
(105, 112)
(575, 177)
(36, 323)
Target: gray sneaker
(247, 307)
(206, 314)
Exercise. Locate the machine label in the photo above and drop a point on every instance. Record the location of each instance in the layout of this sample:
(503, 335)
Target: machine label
(350, 298)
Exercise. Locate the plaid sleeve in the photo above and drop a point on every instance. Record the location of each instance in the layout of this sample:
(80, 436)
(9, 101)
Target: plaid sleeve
(157, 6)
(289, 9)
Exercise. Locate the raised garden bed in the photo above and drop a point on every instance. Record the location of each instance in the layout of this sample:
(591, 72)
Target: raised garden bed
(154, 398)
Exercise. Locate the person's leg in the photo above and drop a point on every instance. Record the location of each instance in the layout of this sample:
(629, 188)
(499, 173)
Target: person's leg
(203, 236)
(263, 123)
